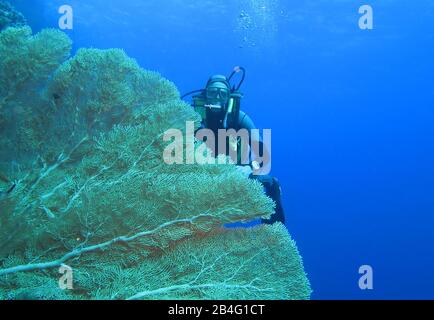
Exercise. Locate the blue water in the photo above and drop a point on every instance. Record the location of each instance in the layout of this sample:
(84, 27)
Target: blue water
(351, 113)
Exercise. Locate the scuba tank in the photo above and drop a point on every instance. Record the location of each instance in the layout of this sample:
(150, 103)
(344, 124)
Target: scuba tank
(233, 110)
(231, 121)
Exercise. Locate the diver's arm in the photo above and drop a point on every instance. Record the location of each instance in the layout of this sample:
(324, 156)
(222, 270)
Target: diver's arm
(245, 122)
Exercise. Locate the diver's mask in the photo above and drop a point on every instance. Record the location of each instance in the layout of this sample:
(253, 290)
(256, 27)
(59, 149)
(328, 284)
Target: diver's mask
(220, 95)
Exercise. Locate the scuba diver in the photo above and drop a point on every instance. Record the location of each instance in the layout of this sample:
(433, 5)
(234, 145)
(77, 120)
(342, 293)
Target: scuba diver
(219, 106)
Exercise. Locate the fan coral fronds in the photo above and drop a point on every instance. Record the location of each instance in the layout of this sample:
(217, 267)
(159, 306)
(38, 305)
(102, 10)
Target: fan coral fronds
(82, 142)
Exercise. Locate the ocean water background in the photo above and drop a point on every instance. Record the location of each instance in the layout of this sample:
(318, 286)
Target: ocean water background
(351, 113)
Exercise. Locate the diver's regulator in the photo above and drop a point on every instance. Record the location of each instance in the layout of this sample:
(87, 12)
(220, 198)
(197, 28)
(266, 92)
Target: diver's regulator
(231, 109)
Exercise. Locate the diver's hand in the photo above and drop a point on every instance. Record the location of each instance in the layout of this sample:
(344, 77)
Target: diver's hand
(245, 170)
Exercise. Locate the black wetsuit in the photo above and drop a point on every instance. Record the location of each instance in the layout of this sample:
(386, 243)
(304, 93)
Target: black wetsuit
(271, 184)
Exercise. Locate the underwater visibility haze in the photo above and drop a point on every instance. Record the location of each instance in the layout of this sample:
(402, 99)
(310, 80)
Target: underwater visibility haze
(89, 90)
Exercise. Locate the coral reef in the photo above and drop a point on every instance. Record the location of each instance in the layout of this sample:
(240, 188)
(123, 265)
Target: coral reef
(9, 17)
(84, 185)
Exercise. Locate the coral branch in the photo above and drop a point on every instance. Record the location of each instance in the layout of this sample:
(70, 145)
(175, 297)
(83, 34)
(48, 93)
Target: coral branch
(46, 171)
(79, 252)
(184, 287)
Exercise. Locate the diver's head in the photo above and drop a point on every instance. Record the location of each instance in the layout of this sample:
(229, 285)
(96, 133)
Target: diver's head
(217, 92)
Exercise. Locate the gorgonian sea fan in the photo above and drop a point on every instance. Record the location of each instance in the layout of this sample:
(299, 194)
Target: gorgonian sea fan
(82, 143)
